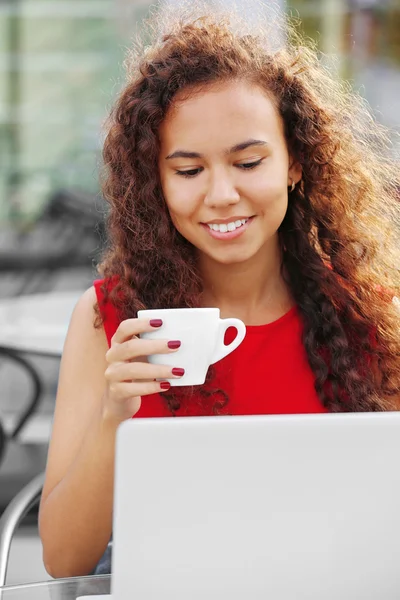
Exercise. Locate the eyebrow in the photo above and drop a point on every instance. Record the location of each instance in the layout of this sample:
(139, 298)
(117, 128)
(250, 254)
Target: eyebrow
(233, 150)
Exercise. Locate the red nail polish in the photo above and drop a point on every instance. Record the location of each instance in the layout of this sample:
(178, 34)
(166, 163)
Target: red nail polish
(165, 385)
(178, 372)
(174, 345)
(156, 323)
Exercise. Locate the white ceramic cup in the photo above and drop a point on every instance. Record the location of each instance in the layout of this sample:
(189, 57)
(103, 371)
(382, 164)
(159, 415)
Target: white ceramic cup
(201, 333)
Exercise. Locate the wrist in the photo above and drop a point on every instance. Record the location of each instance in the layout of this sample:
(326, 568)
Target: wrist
(109, 419)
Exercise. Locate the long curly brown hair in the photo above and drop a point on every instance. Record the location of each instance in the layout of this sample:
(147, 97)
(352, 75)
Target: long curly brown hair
(339, 247)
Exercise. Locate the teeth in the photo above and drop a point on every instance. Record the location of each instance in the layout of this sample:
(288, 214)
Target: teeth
(225, 227)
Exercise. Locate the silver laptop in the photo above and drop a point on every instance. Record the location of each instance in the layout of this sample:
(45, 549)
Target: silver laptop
(300, 507)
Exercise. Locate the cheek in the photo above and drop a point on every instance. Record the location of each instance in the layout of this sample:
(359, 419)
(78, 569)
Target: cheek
(180, 200)
(269, 193)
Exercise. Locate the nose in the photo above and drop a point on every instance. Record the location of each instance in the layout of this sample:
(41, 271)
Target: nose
(221, 191)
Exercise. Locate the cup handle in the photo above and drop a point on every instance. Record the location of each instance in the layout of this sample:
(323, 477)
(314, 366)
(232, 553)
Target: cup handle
(221, 350)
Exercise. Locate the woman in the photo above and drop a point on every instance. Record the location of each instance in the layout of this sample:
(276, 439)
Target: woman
(247, 179)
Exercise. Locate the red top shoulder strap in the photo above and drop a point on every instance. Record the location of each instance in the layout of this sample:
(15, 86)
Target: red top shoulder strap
(108, 311)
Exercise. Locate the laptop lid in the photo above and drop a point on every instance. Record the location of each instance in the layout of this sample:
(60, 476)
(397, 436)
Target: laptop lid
(298, 507)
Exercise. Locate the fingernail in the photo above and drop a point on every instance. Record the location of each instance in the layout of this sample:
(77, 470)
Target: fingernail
(156, 323)
(165, 385)
(178, 372)
(174, 345)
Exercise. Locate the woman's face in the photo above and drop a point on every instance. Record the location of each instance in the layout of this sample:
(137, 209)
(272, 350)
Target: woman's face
(225, 171)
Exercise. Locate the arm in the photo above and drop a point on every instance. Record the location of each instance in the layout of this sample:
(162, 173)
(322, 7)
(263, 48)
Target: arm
(98, 389)
(75, 518)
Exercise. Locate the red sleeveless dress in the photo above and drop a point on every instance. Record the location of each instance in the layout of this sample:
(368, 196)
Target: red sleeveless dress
(267, 374)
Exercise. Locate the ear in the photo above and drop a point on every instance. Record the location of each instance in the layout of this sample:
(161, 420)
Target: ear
(295, 172)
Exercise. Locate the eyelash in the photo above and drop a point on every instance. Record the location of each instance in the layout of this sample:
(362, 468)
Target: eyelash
(245, 167)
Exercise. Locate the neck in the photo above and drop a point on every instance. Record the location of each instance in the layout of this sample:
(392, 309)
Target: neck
(253, 291)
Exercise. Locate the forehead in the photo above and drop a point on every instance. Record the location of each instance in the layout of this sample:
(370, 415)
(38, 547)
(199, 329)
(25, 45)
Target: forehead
(224, 113)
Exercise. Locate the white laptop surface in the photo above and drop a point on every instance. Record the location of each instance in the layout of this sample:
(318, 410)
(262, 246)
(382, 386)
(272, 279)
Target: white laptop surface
(236, 508)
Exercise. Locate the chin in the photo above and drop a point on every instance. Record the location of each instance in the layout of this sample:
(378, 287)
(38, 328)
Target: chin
(231, 258)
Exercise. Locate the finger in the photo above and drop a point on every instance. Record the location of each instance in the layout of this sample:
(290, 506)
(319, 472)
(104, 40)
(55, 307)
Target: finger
(124, 390)
(131, 327)
(136, 347)
(139, 371)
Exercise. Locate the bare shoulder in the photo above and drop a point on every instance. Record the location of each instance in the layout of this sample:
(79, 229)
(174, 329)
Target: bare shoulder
(83, 362)
(85, 311)
(85, 327)
(88, 300)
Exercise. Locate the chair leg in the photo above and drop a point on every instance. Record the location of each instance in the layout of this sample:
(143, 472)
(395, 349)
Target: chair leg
(13, 515)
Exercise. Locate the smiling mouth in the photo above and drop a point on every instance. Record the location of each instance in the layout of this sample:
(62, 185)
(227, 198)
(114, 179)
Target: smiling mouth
(228, 231)
(227, 227)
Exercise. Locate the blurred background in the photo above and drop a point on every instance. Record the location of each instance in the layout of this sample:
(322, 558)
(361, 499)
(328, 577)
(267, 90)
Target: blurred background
(60, 69)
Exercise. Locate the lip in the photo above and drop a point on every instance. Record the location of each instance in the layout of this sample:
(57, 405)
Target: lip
(229, 235)
(226, 221)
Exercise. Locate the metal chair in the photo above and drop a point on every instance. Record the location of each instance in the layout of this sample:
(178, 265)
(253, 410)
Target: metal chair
(12, 517)
(29, 495)
(37, 388)
(18, 508)
(20, 461)
(2, 441)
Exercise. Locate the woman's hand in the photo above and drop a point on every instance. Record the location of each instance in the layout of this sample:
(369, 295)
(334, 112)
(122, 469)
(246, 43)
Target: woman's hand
(129, 376)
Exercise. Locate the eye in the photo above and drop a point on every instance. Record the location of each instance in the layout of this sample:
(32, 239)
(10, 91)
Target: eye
(250, 165)
(189, 173)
